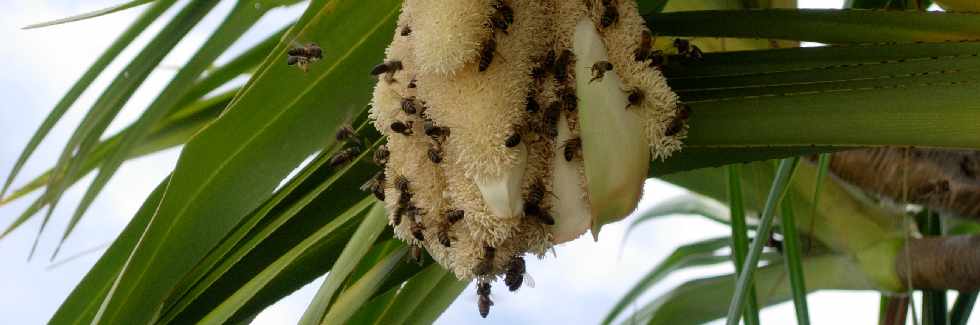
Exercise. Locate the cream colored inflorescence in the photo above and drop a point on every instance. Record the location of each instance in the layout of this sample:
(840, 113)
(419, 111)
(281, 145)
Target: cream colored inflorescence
(491, 112)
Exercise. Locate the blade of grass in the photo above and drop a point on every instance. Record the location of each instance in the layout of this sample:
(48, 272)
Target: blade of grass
(227, 309)
(359, 244)
(90, 14)
(241, 18)
(740, 238)
(820, 25)
(351, 299)
(779, 186)
(86, 136)
(690, 255)
(137, 27)
(793, 260)
(198, 200)
(962, 308)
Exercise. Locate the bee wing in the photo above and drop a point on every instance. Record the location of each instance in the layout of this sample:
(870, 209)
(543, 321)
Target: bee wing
(528, 280)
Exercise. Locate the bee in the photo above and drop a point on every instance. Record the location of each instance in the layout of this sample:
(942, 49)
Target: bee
(417, 227)
(568, 99)
(517, 274)
(381, 155)
(304, 55)
(532, 204)
(486, 265)
(443, 236)
(411, 83)
(434, 131)
(609, 15)
(409, 105)
(599, 70)
(773, 242)
(541, 70)
(347, 133)
(572, 148)
(483, 290)
(561, 65)
(551, 115)
(402, 183)
(688, 50)
(415, 254)
(487, 52)
(646, 46)
(513, 140)
(396, 218)
(389, 68)
(657, 59)
(532, 105)
(405, 128)
(503, 17)
(376, 185)
(435, 154)
(677, 124)
(406, 30)
(344, 156)
(454, 215)
(635, 97)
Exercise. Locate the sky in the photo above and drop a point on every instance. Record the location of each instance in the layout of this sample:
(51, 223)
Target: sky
(583, 282)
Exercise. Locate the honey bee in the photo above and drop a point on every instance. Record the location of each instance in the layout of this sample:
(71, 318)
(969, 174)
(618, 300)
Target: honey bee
(561, 65)
(417, 227)
(677, 124)
(486, 265)
(389, 68)
(396, 218)
(415, 254)
(646, 46)
(381, 155)
(532, 105)
(304, 55)
(551, 115)
(376, 185)
(409, 105)
(513, 140)
(483, 290)
(609, 15)
(569, 101)
(406, 30)
(435, 154)
(454, 215)
(688, 50)
(443, 236)
(599, 70)
(434, 131)
(411, 83)
(572, 148)
(402, 183)
(635, 97)
(344, 156)
(503, 17)
(405, 128)
(532, 205)
(347, 133)
(517, 274)
(487, 52)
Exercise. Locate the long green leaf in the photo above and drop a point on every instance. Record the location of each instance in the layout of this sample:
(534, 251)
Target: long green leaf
(83, 302)
(740, 238)
(241, 18)
(794, 260)
(88, 132)
(691, 158)
(144, 20)
(198, 203)
(962, 308)
(695, 254)
(352, 298)
(779, 185)
(227, 309)
(437, 301)
(91, 14)
(356, 248)
(688, 204)
(411, 296)
(820, 25)
(702, 300)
